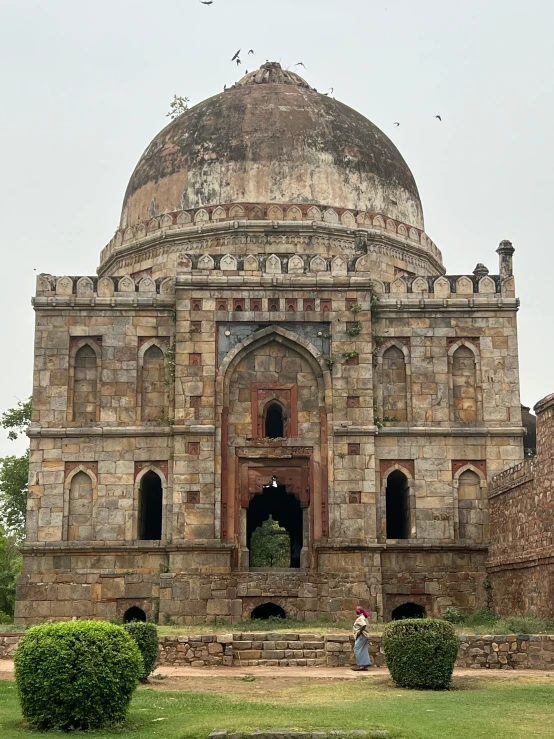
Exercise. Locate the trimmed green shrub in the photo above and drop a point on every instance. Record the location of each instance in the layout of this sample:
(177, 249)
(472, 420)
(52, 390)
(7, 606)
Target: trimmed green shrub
(76, 674)
(453, 615)
(421, 652)
(145, 635)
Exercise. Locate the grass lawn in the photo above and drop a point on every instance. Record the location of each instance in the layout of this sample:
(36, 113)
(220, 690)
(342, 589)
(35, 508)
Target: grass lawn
(505, 708)
(481, 622)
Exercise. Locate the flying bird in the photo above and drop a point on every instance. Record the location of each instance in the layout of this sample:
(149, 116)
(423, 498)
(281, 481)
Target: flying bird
(438, 116)
(236, 56)
(238, 61)
(396, 123)
(331, 90)
(251, 51)
(207, 2)
(300, 64)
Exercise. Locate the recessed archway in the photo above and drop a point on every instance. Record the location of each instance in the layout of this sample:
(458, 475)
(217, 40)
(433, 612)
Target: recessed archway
(134, 614)
(268, 610)
(408, 610)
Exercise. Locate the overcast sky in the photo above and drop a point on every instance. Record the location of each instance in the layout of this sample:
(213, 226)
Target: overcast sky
(86, 85)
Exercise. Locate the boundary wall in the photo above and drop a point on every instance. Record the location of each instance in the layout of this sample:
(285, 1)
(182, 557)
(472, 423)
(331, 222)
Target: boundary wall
(506, 652)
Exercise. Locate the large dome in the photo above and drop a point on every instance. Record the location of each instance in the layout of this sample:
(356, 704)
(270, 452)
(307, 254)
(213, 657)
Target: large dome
(272, 138)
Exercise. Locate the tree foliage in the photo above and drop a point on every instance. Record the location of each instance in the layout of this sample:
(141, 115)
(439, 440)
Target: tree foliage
(270, 545)
(10, 567)
(14, 472)
(16, 420)
(177, 107)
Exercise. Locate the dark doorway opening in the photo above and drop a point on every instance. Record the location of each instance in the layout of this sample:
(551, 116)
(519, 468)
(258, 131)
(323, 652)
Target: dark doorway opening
(150, 507)
(268, 610)
(134, 614)
(408, 610)
(398, 506)
(274, 423)
(285, 509)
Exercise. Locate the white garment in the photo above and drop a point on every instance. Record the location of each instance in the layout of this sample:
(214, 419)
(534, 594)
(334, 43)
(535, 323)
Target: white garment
(359, 624)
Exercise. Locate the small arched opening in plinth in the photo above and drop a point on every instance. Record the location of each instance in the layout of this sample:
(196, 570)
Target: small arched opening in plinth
(134, 614)
(267, 610)
(408, 610)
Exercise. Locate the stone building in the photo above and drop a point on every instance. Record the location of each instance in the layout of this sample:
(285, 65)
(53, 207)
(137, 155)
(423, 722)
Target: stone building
(270, 332)
(521, 501)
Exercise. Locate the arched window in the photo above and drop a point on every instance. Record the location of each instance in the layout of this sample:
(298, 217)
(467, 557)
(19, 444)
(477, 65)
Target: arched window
(274, 423)
(153, 388)
(85, 390)
(80, 508)
(150, 507)
(394, 384)
(470, 512)
(464, 388)
(398, 506)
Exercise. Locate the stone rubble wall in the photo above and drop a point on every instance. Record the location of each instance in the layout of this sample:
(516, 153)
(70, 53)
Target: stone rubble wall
(521, 505)
(8, 644)
(506, 652)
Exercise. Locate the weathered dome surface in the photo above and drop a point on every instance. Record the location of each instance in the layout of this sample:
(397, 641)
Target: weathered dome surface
(272, 139)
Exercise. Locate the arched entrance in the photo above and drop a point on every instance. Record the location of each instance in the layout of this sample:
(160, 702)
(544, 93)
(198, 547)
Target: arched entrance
(284, 509)
(408, 610)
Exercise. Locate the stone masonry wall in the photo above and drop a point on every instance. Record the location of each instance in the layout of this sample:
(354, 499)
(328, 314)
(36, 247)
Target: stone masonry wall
(521, 504)
(508, 652)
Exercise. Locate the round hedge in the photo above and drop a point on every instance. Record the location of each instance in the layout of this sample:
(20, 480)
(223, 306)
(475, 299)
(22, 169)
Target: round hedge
(421, 652)
(145, 635)
(76, 674)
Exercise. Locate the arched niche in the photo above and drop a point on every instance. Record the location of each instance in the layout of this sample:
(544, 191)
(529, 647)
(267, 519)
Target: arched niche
(273, 365)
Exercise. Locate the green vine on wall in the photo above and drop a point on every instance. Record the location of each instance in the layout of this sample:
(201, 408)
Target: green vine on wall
(378, 421)
(170, 360)
(354, 329)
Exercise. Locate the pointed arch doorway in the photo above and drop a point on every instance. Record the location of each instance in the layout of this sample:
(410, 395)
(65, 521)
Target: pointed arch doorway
(275, 525)
(278, 544)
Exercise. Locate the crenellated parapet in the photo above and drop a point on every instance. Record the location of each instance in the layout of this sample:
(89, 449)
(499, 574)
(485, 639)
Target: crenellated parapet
(294, 271)
(297, 222)
(49, 286)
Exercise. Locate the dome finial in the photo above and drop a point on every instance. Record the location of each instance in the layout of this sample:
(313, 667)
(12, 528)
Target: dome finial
(272, 73)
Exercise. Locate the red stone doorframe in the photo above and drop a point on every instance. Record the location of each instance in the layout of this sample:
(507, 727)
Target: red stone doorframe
(294, 474)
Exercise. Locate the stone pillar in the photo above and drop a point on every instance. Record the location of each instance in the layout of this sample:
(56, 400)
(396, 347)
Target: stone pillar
(505, 252)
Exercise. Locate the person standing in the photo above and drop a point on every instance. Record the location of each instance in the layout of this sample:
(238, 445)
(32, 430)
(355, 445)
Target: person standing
(361, 641)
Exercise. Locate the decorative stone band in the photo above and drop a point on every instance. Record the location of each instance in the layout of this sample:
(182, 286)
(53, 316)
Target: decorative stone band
(231, 272)
(508, 652)
(275, 212)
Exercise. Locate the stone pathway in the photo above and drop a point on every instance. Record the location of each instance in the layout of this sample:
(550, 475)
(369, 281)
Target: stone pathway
(315, 673)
